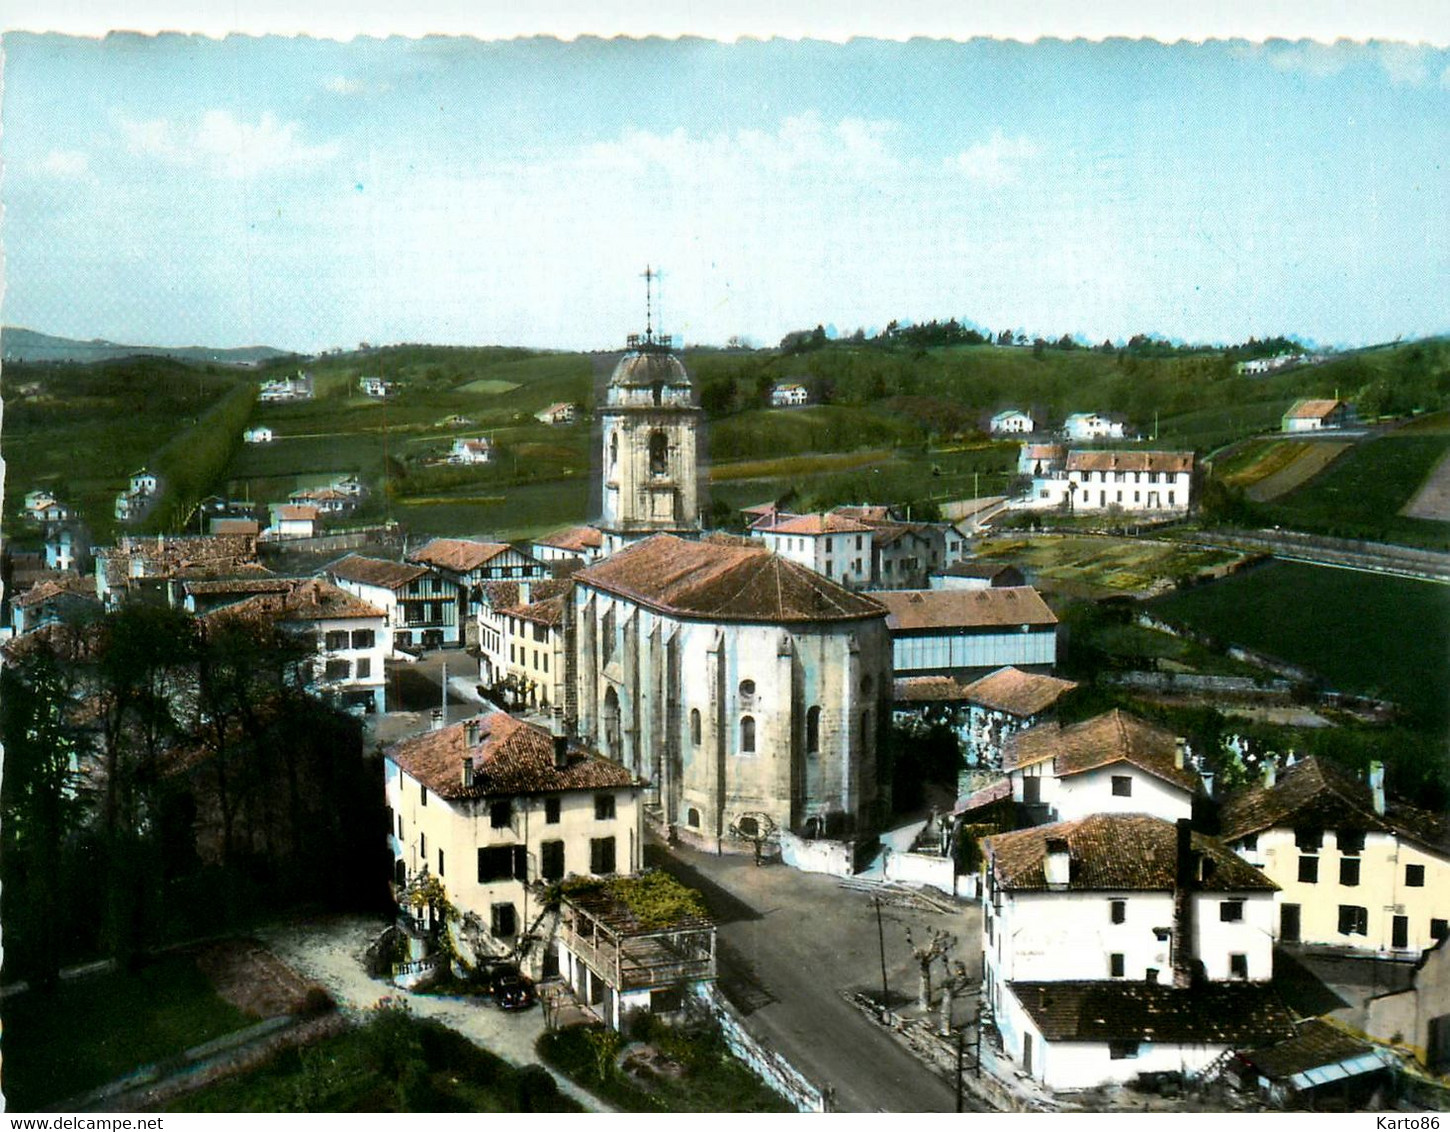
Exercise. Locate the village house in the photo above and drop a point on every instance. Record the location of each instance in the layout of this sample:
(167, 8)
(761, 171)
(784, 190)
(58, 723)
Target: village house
(1139, 482)
(968, 632)
(347, 632)
(1359, 872)
(1011, 421)
(292, 520)
(560, 412)
(1123, 944)
(374, 387)
(260, 434)
(633, 944)
(747, 690)
(470, 450)
(468, 563)
(159, 566)
(1310, 415)
(1094, 426)
(204, 595)
(67, 546)
(536, 671)
(977, 575)
(581, 545)
(65, 598)
(420, 609)
(1041, 459)
(1257, 367)
(496, 809)
(297, 387)
(1112, 763)
(1001, 704)
(786, 396)
(43, 507)
(138, 497)
(832, 545)
(328, 500)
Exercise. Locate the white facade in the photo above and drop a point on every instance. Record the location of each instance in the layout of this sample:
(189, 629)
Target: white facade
(1012, 421)
(842, 554)
(784, 396)
(470, 450)
(1118, 788)
(1130, 481)
(259, 435)
(1092, 426)
(349, 663)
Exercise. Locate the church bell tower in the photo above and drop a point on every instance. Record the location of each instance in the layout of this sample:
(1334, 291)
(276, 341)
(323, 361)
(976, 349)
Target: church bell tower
(649, 429)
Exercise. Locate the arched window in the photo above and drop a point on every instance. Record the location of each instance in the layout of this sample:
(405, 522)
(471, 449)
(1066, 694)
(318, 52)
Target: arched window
(611, 725)
(747, 734)
(613, 450)
(695, 726)
(813, 730)
(659, 453)
(692, 818)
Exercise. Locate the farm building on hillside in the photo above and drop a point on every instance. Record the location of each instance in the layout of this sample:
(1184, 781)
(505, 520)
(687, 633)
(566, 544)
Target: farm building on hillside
(1311, 416)
(1094, 426)
(784, 396)
(470, 450)
(1011, 421)
(560, 412)
(261, 434)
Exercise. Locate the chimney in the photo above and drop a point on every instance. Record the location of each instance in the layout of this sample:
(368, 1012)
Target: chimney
(1057, 863)
(1271, 771)
(467, 771)
(1207, 777)
(561, 740)
(1377, 786)
(1183, 882)
(435, 720)
(1180, 752)
(470, 733)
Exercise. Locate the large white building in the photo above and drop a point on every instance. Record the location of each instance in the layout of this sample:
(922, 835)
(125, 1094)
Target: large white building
(1093, 426)
(1121, 944)
(746, 689)
(491, 807)
(1359, 872)
(1135, 482)
(968, 632)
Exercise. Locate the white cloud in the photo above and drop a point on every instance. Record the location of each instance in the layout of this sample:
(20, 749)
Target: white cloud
(341, 84)
(67, 163)
(224, 145)
(996, 161)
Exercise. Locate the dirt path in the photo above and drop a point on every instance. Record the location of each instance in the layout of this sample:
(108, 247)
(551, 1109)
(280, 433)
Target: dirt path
(1301, 470)
(329, 951)
(1432, 501)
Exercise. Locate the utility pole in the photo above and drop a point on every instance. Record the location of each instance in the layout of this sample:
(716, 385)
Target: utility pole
(961, 1050)
(445, 693)
(881, 937)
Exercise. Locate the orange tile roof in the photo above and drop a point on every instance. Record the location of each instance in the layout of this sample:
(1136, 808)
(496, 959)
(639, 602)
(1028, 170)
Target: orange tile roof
(375, 571)
(726, 583)
(1018, 693)
(295, 511)
(928, 690)
(827, 524)
(1112, 737)
(575, 538)
(511, 757)
(1229, 1014)
(549, 611)
(1093, 460)
(1117, 852)
(311, 599)
(913, 610)
(458, 554)
(1312, 410)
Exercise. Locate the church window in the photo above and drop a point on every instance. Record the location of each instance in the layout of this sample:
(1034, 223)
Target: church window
(747, 735)
(606, 642)
(695, 726)
(613, 450)
(692, 818)
(659, 452)
(813, 730)
(747, 688)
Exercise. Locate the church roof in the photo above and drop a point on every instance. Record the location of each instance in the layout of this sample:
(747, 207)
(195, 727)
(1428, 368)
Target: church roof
(647, 367)
(725, 583)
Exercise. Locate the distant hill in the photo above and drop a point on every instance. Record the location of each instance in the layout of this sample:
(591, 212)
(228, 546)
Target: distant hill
(20, 345)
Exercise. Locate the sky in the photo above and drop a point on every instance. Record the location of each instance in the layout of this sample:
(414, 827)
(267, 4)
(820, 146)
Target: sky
(310, 194)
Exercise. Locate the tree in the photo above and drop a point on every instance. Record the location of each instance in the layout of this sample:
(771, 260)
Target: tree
(926, 955)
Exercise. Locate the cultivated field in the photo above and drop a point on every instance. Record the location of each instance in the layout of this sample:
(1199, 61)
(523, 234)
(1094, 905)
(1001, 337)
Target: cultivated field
(1365, 633)
(1093, 566)
(1303, 461)
(1432, 501)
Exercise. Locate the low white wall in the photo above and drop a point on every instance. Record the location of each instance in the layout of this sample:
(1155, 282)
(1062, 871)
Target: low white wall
(817, 856)
(923, 868)
(770, 1066)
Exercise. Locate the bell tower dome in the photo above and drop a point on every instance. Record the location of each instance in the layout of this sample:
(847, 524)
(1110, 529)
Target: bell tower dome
(649, 429)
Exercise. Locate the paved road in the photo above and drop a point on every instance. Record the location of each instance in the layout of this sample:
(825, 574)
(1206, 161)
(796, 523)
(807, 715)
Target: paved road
(791, 943)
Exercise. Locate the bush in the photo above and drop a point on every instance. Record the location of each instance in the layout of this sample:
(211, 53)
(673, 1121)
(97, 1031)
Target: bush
(316, 1002)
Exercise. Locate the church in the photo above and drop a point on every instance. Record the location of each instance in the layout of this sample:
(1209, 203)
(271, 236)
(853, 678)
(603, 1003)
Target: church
(749, 692)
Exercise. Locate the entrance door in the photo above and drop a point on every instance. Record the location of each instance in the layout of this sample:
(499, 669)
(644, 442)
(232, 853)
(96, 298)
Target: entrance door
(1400, 933)
(1289, 923)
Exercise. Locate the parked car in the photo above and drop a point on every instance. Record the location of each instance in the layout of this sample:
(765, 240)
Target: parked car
(510, 988)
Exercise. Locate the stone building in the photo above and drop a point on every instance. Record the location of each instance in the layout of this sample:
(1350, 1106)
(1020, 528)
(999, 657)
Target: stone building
(747, 690)
(649, 425)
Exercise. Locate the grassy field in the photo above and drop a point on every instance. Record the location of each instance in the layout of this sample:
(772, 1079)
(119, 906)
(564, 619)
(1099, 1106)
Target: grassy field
(1091, 566)
(1364, 633)
(90, 1031)
(1360, 494)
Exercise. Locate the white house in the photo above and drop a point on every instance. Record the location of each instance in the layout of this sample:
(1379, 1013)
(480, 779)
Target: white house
(495, 808)
(1093, 426)
(468, 563)
(144, 482)
(374, 387)
(968, 632)
(292, 520)
(42, 507)
(1112, 763)
(1313, 416)
(1121, 944)
(785, 396)
(748, 690)
(420, 609)
(349, 634)
(536, 671)
(1001, 704)
(1257, 367)
(1011, 421)
(833, 545)
(1135, 482)
(470, 450)
(583, 545)
(560, 412)
(260, 434)
(1359, 872)
(297, 387)
(1041, 459)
